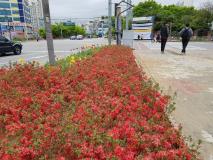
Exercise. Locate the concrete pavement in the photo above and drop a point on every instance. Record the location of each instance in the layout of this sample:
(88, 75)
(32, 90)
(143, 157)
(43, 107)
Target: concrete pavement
(191, 77)
(37, 51)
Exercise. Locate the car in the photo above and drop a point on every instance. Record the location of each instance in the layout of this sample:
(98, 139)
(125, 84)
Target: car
(73, 38)
(7, 46)
(79, 37)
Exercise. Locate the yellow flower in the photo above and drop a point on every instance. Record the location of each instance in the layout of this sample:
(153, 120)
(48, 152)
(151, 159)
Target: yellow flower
(72, 57)
(21, 61)
(72, 61)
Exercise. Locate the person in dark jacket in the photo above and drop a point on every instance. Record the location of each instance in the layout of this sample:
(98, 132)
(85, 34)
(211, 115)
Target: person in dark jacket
(186, 33)
(164, 33)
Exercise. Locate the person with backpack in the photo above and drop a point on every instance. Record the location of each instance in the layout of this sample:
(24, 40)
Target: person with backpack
(164, 34)
(186, 33)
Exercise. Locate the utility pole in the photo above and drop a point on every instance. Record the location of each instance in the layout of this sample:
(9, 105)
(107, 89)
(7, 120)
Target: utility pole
(118, 25)
(118, 13)
(110, 21)
(49, 36)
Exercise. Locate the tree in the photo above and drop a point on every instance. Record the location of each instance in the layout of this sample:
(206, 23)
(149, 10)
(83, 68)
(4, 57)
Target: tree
(59, 30)
(147, 8)
(176, 16)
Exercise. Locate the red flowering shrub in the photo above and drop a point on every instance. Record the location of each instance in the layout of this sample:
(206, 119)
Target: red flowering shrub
(102, 107)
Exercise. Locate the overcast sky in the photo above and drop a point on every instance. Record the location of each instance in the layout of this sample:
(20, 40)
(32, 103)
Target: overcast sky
(89, 8)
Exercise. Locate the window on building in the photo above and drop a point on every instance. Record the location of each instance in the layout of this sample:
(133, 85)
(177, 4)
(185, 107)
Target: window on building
(17, 19)
(5, 12)
(19, 28)
(15, 12)
(4, 5)
(14, 5)
(5, 19)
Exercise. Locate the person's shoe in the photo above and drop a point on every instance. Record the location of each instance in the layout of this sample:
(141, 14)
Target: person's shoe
(182, 52)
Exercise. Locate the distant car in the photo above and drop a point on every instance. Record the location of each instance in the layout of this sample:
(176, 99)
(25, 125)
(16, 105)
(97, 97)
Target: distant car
(79, 37)
(7, 46)
(73, 38)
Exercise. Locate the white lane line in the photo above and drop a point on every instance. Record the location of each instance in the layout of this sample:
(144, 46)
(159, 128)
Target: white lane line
(3, 63)
(38, 57)
(47, 51)
(207, 136)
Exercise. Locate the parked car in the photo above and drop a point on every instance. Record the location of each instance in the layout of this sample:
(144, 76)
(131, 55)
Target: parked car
(79, 37)
(7, 46)
(73, 38)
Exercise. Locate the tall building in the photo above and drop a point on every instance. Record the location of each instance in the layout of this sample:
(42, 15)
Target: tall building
(37, 16)
(15, 18)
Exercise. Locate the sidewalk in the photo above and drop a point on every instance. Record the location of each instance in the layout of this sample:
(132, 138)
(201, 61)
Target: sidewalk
(191, 77)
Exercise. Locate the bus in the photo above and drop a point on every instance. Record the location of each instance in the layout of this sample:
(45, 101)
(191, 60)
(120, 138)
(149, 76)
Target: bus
(142, 27)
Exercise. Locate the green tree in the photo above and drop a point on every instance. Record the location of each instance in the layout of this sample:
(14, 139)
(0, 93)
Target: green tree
(59, 31)
(148, 8)
(175, 16)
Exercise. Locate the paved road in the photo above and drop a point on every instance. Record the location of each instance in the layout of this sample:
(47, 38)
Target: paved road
(191, 77)
(37, 51)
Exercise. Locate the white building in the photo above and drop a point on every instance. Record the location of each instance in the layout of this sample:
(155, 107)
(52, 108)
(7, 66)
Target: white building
(37, 15)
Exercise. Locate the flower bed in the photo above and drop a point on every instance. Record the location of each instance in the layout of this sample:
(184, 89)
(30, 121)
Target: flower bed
(102, 108)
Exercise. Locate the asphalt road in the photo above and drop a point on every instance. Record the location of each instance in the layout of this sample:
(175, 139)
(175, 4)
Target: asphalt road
(37, 51)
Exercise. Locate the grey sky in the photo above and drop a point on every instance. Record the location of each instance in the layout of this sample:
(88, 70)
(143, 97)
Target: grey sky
(89, 8)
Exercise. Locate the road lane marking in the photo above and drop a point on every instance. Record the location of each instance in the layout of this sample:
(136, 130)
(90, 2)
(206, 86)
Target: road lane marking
(207, 136)
(3, 63)
(47, 51)
(38, 57)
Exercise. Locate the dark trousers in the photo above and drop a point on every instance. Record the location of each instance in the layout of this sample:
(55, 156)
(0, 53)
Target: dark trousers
(185, 43)
(163, 44)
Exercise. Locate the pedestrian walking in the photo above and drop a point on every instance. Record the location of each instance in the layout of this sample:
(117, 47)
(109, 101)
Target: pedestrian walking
(164, 33)
(37, 38)
(186, 34)
(139, 37)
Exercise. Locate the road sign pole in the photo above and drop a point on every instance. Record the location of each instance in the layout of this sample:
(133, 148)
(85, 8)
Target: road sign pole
(110, 21)
(49, 37)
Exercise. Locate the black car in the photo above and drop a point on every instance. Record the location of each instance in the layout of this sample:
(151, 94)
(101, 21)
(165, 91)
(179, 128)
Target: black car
(7, 46)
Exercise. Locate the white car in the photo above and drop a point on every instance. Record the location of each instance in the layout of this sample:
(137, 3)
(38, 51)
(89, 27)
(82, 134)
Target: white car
(79, 37)
(72, 37)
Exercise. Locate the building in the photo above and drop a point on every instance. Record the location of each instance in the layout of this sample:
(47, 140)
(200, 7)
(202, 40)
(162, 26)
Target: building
(97, 26)
(37, 16)
(15, 18)
(187, 3)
